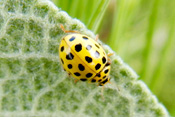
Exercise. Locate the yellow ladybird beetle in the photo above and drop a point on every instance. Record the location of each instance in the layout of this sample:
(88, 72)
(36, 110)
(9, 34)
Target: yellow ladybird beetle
(84, 58)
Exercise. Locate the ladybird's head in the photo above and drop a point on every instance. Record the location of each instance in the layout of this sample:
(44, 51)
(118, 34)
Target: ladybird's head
(104, 75)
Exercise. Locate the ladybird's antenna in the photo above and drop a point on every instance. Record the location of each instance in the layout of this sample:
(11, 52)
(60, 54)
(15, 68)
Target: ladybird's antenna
(62, 28)
(97, 37)
(110, 54)
(67, 31)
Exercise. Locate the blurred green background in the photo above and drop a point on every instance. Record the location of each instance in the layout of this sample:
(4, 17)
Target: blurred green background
(142, 32)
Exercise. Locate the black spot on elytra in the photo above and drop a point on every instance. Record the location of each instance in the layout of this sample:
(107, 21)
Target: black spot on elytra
(83, 79)
(62, 48)
(88, 59)
(98, 66)
(105, 81)
(99, 80)
(69, 56)
(93, 80)
(72, 38)
(98, 75)
(104, 76)
(78, 47)
(88, 47)
(97, 54)
(62, 61)
(103, 52)
(88, 75)
(84, 37)
(81, 67)
(77, 74)
(97, 46)
(107, 64)
(106, 71)
(69, 66)
(104, 60)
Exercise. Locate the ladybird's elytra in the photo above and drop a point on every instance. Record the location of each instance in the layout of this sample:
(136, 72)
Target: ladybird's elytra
(84, 58)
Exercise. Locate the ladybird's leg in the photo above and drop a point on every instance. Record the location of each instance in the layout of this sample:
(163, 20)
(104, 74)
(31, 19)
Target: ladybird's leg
(69, 74)
(109, 60)
(76, 80)
(67, 31)
(102, 92)
(96, 38)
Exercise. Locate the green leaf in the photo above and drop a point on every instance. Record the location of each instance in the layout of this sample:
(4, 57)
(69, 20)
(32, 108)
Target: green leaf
(32, 81)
